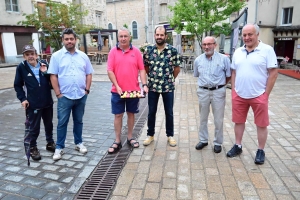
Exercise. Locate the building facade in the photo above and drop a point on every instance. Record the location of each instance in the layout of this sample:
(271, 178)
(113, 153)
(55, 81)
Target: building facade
(279, 24)
(13, 36)
(131, 13)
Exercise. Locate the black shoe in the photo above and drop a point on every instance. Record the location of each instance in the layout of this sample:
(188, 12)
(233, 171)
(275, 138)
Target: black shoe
(217, 148)
(260, 157)
(35, 153)
(50, 146)
(200, 145)
(234, 151)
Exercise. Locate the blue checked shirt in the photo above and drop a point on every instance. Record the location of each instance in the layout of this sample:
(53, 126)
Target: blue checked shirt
(212, 72)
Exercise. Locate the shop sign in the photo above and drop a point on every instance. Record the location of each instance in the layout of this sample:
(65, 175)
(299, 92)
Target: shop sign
(285, 38)
(168, 27)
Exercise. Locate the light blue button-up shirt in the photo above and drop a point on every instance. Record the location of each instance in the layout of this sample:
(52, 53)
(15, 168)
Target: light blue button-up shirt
(212, 72)
(72, 70)
(35, 70)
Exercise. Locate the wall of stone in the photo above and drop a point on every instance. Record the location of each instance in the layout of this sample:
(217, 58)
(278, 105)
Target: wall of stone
(125, 12)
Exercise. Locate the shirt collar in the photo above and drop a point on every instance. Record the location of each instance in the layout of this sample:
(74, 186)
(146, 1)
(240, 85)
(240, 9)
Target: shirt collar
(167, 46)
(256, 48)
(118, 47)
(66, 51)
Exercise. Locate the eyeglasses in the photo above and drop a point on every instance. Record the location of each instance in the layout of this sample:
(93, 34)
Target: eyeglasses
(208, 44)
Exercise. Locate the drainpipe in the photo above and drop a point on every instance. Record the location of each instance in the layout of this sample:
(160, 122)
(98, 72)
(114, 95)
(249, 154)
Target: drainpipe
(256, 8)
(277, 12)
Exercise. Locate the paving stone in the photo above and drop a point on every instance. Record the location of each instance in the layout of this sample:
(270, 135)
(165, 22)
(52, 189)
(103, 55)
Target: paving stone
(14, 178)
(266, 194)
(167, 194)
(139, 181)
(121, 190)
(134, 194)
(15, 197)
(12, 188)
(151, 191)
(54, 186)
(76, 185)
(258, 181)
(169, 183)
(31, 172)
(34, 193)
(86, 171)
(183, 191)
(246, 188)
(33, 181)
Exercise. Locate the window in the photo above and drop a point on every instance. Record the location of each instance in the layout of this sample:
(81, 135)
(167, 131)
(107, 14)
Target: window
(98, 18)
(134, 30)
(110, 26)
(163, 13)
(287, 15)
(21, 40)
(12, 5)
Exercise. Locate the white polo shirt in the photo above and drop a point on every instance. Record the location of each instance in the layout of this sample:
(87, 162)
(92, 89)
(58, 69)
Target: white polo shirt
(252, 69)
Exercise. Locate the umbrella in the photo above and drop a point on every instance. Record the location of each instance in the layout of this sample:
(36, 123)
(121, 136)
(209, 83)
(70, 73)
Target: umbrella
(178, 44)
(27, 138)
(222, 43)
(100, 42)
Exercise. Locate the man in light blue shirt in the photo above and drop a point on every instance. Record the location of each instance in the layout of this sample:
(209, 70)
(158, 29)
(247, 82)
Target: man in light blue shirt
(71, 77)
(213, 72)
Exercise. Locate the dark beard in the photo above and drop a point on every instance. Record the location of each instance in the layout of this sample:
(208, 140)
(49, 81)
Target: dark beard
(160, 43)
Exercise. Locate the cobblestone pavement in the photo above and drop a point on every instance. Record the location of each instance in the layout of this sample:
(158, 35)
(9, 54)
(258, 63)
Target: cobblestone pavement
(46, 179)
(159, 171)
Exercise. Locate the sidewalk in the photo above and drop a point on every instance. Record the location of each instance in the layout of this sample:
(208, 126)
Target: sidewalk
(159, 171)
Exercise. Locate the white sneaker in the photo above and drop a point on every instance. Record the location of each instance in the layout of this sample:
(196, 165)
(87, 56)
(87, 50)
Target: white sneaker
(81, 148)
(57, 154)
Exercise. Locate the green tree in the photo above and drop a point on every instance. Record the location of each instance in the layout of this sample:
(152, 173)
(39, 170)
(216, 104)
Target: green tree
(204, 16)
(52, 17)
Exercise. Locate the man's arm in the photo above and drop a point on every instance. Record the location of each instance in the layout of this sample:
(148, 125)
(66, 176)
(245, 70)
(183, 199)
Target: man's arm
(113, 79)
(176, 71)
(146, 69)
(144, 79)
(18, 85)
(88, 82)
(273, 73)
(54, 83)
(233, 74)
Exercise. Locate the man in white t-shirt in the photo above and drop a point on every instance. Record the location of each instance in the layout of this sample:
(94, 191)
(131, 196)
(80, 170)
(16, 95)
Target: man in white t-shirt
(254, 72)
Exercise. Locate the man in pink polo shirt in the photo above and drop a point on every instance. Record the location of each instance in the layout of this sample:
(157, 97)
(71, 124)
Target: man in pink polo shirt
(123, 66)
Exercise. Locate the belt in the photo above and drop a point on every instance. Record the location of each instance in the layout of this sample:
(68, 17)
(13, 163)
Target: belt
(212, 88)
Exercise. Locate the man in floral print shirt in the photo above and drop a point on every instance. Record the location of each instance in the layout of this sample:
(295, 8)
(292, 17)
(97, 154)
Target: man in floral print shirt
(161, 62)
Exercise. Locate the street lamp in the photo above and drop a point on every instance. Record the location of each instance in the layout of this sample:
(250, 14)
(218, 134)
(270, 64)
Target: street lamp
(146, 28)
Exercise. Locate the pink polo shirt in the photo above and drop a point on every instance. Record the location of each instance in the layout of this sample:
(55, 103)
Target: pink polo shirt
(126, 66)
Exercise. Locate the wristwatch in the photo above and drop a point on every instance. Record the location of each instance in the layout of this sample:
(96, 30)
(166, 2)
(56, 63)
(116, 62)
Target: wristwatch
(88, 91)
(145, 85)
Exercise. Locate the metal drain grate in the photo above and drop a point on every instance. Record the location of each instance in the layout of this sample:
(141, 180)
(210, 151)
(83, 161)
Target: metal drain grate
(103, 179)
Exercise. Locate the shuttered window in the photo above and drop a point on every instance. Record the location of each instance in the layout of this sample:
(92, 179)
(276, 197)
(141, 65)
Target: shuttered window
(22, 39)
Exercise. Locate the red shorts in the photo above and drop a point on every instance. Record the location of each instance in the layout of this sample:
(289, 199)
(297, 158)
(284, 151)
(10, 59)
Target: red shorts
(259, 105)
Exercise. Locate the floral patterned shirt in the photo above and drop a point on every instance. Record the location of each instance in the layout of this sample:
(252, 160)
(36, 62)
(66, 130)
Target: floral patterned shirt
(161, 66)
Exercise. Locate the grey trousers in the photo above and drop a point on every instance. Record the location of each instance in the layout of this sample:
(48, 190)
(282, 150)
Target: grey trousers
(216, 100)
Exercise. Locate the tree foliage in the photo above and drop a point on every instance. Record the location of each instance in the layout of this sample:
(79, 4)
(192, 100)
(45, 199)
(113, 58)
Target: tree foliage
(52, 17)
(203, 17)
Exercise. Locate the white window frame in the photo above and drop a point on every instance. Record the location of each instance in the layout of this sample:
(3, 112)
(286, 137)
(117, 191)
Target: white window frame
(98, 15)
(132, 29)
(12, 5)
(290, 16)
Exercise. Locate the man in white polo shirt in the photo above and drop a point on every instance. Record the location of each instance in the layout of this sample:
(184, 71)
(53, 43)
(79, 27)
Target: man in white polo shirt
(254, 72)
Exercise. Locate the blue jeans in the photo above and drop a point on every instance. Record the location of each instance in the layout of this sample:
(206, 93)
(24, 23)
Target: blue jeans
(168, 100)
(64, 108)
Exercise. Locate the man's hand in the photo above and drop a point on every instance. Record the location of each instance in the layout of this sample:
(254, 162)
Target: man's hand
(119, 90)
(25, 104)
(43, 67)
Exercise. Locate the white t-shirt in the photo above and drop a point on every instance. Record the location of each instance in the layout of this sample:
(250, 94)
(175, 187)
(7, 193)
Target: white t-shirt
(252, 69)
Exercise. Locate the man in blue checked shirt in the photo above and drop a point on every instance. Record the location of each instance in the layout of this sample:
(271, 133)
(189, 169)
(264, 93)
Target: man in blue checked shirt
(213, 72)
(71, 77)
